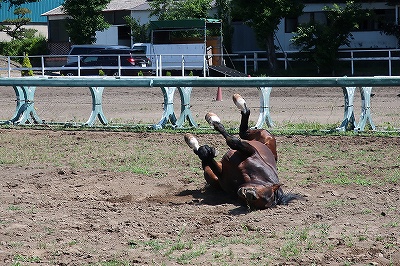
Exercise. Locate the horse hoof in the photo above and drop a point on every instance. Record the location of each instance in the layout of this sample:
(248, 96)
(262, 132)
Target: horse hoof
(191, 141)
(211, 118)
(239, 102)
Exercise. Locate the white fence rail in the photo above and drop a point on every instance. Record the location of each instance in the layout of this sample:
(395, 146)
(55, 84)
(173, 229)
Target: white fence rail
(252, 59)
(246, 61)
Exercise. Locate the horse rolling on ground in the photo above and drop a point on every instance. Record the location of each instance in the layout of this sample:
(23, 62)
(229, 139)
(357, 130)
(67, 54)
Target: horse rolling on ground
(248, 169)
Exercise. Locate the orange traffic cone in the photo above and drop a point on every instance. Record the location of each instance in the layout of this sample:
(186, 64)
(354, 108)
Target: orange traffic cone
(219, 94)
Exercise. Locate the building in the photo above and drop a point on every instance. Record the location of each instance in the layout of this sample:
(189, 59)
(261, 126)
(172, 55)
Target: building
(38, 22)
(369, 36)
(117, 34)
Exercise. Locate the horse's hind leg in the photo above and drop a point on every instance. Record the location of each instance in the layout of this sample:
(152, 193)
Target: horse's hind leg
(212, 169)
(232, 141)
(245, 132)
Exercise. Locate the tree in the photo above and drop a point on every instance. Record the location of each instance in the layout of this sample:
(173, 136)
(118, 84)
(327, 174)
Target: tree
(14, 27)
(392, 28)
(26, 63)
(17, 2)
(139, 32)
(173, 10)
(224, 12)
(85, 18)
(264, 16)
(322, 40)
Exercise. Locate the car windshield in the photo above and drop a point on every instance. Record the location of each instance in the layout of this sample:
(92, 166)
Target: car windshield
(88, 59)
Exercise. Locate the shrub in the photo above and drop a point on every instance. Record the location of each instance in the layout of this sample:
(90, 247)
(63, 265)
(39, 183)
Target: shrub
(27, 63)
(32, 46)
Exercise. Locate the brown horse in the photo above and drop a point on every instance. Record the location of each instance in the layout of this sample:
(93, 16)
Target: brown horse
(248, 169)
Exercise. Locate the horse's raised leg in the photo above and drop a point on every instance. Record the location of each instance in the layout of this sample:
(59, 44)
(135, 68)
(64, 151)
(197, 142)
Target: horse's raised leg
(232, 141)
(212, 168)
(245, 132)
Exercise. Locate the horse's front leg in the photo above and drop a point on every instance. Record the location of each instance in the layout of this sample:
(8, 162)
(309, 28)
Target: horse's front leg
(212, 168)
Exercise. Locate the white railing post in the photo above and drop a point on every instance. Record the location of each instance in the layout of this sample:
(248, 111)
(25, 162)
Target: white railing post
(204, 66)
(119, 66)
(245, 64)
(390, 63)
(255, 60)
(183, 65)
(9, 65)
(160, 65)
(42, 63)
(352, 63)
(286, 60)
(157, 66)
(79, 65)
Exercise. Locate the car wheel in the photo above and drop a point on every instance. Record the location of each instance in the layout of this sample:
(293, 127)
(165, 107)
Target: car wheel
(69, 74)
(114, 73)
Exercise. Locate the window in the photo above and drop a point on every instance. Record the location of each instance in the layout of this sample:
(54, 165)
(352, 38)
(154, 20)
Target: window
(291, 24)
(377, 20)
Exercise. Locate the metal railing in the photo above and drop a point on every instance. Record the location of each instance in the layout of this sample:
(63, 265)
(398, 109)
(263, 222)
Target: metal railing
(52, 64)
(253, 58)
(25, 87)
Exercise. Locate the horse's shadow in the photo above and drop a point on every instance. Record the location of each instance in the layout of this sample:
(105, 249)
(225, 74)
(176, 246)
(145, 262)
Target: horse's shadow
(214, 197)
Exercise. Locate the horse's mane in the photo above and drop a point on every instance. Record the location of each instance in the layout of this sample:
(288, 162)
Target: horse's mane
(285, 198)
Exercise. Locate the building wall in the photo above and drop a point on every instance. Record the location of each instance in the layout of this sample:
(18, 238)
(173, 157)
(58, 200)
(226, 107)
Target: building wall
(38, 22)
(37, 9)
(243, 36)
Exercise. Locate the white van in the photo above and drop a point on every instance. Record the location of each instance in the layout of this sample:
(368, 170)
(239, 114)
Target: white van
(85, 49)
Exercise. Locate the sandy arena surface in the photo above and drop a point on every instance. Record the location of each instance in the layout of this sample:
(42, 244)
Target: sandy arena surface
(65, 198)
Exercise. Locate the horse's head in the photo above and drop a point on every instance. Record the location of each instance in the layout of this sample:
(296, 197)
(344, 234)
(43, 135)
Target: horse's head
(259, 196)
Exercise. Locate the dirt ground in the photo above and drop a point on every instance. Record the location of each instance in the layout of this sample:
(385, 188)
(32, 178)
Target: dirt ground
(119, 198)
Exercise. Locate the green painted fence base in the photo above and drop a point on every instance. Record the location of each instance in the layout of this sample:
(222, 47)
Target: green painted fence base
(365, 109)
(169, 113)
(264, 116)
(25, 90)
(186, 114)
(349, 122)
(25, 112)
(97, 106)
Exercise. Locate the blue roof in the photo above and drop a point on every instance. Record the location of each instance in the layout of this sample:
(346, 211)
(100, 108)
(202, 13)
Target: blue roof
(37, 9)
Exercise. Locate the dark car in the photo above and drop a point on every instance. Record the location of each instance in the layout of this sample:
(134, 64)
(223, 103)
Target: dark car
(109, 62)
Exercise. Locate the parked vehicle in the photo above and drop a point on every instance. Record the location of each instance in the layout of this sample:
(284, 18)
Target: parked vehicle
(113, 62)
(172, 57)
(85, 49)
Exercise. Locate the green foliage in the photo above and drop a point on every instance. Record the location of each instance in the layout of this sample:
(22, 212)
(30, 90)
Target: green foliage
(14, 27)
(32, 46)
(174, 10)
(224, 12)
(16, 2)
(26, 63)
(264, 16)
(101, 72)
(85, 18)
(139, 33)
(322, 40)
(392, 29)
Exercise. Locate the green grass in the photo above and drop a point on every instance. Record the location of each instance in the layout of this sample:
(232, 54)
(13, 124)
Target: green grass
(305, 165)
(21, 258)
